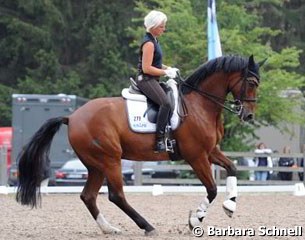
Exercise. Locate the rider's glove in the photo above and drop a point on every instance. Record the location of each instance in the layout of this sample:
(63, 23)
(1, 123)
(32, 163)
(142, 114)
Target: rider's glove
(171, 72)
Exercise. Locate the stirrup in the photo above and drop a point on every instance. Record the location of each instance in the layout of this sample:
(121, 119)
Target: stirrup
(170, 145)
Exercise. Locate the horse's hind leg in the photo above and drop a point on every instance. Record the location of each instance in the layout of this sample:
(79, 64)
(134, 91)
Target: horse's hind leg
(217, 157)
(89, 196)
(202, 168)
(116, 195)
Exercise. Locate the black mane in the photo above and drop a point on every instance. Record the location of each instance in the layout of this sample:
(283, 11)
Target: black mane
(224, 63)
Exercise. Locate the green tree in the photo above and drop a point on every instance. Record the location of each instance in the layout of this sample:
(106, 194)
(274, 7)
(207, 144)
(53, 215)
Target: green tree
(72, 47)
(108, 51)
(5, 108)
(289, 17)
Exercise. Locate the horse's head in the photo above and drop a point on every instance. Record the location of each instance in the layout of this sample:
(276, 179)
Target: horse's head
(244, 90)
(241, 78)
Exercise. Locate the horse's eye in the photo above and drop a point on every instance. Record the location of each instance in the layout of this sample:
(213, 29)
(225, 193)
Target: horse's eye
(252, 84)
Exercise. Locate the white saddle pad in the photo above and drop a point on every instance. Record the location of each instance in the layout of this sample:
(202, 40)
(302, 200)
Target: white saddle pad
(137, 106)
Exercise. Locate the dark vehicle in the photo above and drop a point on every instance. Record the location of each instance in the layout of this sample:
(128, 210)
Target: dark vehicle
(72, 173)
(149, 172)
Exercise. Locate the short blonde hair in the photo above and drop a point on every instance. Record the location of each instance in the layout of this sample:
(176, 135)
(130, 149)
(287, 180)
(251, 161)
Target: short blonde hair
(154, 19)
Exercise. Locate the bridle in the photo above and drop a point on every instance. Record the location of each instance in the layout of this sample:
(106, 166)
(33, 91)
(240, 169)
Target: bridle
(248, 77)
(235, 106)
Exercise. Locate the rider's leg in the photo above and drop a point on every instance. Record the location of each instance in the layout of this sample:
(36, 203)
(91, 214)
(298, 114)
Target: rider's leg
(152, 89)
(162, 120)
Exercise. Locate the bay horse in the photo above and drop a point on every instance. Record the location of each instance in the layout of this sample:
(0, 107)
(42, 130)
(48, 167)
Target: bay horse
(100, 136)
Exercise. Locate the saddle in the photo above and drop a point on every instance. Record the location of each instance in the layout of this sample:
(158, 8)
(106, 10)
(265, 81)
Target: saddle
(153, 108)
(142, 112)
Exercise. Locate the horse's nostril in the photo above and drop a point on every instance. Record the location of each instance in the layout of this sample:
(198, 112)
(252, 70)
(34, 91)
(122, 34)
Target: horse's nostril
(249, 117)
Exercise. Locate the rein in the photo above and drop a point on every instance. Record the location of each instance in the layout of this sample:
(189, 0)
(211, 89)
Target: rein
(237, 103)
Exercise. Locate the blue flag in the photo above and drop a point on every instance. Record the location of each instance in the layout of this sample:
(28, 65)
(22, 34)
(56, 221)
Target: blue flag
(214, 47)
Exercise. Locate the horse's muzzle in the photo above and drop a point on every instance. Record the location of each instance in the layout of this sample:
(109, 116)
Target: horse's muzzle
(246, 115)
(249, 117)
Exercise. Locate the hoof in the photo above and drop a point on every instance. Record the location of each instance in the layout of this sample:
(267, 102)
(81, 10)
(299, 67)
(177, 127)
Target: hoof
(151, 233)
(112, 230)
(228, 212)
(229, 206)
(193, 221)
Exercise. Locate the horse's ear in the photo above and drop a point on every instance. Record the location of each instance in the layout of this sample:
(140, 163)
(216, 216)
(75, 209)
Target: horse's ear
(261, 63)
(251, 61)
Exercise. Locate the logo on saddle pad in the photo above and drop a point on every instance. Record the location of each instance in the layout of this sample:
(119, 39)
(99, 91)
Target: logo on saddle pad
(142, 113)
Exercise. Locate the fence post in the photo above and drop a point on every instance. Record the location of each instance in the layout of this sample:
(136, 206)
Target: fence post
(3, 165)
(138, 173)
(217, 175)
(303, 167)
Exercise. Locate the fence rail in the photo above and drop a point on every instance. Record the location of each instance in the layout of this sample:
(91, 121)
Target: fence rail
(219, 173)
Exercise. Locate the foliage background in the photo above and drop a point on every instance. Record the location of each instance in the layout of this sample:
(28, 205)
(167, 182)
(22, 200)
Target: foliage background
(89, 48)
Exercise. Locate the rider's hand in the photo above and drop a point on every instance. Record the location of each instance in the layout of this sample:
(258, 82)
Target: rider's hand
(171, 72)
(177, 70)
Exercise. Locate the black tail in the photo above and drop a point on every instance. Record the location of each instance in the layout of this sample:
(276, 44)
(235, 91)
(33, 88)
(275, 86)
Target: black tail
(33, 160)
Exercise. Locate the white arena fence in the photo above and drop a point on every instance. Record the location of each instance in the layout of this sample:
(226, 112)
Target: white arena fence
(143, 183)
(162, 188)
(220, 173)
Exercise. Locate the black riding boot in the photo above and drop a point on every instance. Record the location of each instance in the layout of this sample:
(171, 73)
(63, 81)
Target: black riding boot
(160, 129)
(160, 142)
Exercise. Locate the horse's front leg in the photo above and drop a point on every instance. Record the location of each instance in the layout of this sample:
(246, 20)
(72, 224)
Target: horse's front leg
(217, 157)
(202, 168)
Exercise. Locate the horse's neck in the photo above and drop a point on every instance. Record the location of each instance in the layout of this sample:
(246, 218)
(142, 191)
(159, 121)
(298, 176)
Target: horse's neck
(215, 85)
